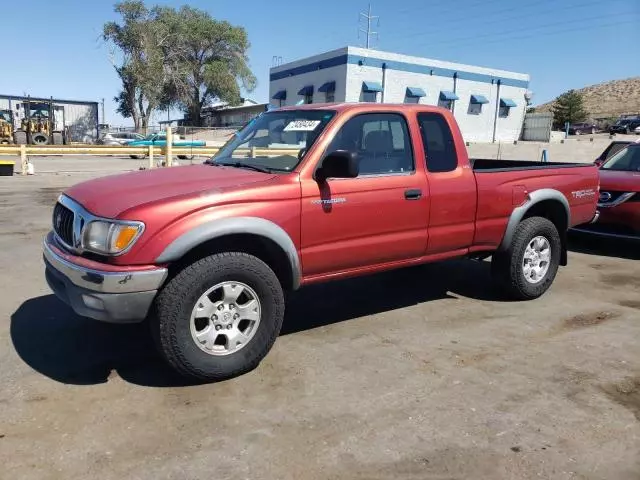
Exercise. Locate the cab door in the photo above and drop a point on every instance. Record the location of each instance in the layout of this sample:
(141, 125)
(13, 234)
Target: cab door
(380, 216)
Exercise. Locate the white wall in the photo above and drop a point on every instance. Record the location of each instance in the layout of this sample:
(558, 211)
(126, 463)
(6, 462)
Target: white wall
(508, 129)
(350, 77)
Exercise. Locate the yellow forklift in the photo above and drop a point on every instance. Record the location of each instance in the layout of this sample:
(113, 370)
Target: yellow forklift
(6, 127)
(38, 125)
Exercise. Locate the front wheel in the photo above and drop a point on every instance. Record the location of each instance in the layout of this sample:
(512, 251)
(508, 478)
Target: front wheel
(219, 317)
(528, 267)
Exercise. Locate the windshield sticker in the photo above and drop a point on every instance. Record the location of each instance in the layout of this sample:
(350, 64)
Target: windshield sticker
(301, 126)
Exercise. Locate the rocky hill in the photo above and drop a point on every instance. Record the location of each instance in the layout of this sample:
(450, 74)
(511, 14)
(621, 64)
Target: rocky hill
(609, 99)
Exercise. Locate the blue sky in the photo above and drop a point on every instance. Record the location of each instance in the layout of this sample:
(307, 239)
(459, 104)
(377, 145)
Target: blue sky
(562, 44)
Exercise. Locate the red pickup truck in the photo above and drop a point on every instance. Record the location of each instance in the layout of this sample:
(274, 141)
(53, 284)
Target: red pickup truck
(302, 195)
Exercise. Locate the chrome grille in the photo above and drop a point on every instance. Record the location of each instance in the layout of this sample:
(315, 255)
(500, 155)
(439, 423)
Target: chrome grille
(63, 219)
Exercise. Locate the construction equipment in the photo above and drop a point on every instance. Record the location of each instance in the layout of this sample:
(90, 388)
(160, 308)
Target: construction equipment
(38, 125)
(6, 127)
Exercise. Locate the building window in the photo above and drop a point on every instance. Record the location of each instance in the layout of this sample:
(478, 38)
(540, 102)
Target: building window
(370, 97)
(281, 98)
(413, 95)
(370, 92)
(446, 99)
(307, 94)
(329, 89)
(475, 109)
(475, 104)
(505, 106)
(445, 103)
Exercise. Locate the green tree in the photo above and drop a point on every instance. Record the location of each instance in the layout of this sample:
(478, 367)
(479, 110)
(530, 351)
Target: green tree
(205, 60)
(569, 107)
(138, 44)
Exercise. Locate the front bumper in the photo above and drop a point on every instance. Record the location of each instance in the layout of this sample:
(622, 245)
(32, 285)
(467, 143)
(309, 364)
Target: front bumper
(116, 296)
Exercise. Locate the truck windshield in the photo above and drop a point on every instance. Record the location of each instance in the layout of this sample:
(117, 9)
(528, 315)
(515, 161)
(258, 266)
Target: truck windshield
(627, 160)
(274, 141)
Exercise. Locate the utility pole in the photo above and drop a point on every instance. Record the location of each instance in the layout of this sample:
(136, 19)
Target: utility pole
(103, 121)
(368, 32)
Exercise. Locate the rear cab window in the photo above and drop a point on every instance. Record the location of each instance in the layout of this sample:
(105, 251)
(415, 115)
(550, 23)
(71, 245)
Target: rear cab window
(439, 147)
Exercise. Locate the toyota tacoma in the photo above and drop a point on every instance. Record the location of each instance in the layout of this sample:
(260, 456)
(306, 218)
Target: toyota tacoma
(205, 253)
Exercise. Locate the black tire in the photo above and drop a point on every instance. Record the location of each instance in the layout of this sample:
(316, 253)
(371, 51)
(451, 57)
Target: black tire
(138, 157)
(20, 137)
(39, 138)
(186, 157)
(5, 141)
(57, 138)
(507, 266)
(175, 302)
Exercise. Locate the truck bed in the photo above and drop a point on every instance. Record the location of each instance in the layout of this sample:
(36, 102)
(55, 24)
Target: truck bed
(486, 165)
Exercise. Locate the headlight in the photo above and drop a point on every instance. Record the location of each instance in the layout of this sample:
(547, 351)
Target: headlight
(110, 238)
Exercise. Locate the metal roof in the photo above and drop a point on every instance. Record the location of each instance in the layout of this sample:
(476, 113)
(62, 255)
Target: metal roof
(41, 99)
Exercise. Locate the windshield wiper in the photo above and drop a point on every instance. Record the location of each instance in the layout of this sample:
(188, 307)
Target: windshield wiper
(244, 165)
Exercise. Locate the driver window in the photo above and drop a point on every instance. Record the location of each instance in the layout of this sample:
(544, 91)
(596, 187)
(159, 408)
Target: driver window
(381, 142)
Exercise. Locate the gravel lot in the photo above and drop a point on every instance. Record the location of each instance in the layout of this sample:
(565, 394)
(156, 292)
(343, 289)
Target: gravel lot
(422, 373)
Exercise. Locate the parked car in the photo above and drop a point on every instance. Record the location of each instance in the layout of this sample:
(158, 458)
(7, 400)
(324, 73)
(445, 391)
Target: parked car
(208, 251)
(160, 140)
(637, 130)
(580, 128)
(619, 201)
(624, 126)
(613, 148)
(118, 138)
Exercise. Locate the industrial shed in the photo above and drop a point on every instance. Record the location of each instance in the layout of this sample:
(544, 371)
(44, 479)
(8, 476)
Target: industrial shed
(76, 118)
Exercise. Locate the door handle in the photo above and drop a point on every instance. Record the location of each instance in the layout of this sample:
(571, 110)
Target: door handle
(413, 194)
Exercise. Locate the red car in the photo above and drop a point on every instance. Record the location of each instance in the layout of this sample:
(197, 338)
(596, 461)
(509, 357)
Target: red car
(302, 195)
(619, 202)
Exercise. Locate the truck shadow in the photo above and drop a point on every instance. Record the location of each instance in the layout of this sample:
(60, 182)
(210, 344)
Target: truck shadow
(56, 342)
(606, 247)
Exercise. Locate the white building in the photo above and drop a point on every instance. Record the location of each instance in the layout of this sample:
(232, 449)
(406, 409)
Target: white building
(488, 104)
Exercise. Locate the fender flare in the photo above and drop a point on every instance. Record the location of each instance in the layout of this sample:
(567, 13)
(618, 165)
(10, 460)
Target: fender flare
(533, 198)
(231, 226)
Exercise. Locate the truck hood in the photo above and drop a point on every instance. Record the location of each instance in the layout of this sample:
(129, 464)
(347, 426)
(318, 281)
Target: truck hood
(112, 195)
(619, 181)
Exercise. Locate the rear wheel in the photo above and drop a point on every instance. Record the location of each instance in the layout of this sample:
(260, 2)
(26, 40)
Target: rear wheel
(219, 317)
(528, 267)
(20, 137)
(186, 157)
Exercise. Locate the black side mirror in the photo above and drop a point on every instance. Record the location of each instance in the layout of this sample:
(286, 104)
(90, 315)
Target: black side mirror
(338, 164)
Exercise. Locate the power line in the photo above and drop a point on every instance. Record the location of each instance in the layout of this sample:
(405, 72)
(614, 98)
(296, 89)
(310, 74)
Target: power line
(368, 32)
(483, 23)
(474, 38)
(537, 35)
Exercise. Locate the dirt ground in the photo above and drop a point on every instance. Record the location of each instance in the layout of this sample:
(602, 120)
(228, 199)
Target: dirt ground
(423, 373)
